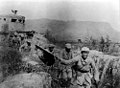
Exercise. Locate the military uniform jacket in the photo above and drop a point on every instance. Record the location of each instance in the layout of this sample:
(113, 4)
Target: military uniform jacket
(84, 66)
(66, 56)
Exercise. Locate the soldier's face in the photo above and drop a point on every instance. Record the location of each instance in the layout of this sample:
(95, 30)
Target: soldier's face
(84, 55)
(51, 49)
(67, 49)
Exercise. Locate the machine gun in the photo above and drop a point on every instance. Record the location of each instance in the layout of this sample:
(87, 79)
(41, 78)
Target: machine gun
(48, 58)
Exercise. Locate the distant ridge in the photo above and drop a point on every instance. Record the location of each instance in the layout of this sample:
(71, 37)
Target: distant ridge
(72, 30)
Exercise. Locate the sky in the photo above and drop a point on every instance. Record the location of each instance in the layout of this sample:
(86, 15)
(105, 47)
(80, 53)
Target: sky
(80, 10)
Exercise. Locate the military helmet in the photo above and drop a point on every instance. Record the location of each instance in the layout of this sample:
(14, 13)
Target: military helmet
(51, 46)
(15, 33)
(68, 45)
(21, 35)
(85, 49)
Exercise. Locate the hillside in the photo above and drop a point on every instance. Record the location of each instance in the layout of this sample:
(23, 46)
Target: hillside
(72, 30)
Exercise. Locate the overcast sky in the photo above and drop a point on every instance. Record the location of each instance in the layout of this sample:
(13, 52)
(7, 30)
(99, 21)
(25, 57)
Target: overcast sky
(81, 10)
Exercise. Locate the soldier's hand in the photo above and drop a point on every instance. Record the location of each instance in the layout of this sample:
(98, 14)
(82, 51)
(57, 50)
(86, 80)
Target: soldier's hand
(97, 82)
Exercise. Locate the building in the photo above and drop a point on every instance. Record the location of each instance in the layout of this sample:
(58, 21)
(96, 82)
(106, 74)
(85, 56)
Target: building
(12, 22)
(9, 24)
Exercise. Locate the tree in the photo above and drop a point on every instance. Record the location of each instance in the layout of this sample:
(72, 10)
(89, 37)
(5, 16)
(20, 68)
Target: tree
(102, 44)
(107, 43)
(10, 61)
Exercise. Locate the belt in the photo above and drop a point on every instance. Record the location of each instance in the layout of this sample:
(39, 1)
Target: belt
(83, 71)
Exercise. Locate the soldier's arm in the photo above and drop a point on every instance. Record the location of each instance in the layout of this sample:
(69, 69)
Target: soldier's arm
(73, 60)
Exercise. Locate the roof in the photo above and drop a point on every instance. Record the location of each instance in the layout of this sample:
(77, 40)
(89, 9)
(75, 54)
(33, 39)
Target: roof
(13, 16)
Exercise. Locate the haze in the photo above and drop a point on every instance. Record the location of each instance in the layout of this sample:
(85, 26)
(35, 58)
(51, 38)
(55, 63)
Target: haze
(80, 10)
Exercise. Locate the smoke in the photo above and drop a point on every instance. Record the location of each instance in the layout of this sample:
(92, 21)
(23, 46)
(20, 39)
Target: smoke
(62, 12)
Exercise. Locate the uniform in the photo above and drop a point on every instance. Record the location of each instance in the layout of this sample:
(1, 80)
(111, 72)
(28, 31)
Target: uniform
(66, 69)
(83, 70)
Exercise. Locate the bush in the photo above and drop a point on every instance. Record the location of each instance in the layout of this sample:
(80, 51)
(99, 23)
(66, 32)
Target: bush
(10, 61)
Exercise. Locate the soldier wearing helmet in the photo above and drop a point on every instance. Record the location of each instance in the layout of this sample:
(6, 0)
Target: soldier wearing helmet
(67, 52)
(83, 69)
(66, 73)
(51, 48)
(26, 47)
(84, 52)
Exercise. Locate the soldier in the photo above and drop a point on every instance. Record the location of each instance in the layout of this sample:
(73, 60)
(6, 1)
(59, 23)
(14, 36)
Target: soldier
(21, 38)
(66, 73)
(51, 48)
(15, 42)
(26, 47)
(83, 69)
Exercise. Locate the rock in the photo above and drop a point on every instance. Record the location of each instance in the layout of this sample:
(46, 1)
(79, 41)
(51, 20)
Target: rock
(28, 80)
(39, 40)
(110, 73)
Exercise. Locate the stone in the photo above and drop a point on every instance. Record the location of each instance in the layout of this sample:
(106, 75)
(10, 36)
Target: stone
(28, 80)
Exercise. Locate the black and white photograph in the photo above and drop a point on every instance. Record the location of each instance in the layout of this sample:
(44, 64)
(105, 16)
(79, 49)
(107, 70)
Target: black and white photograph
(59, 43)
